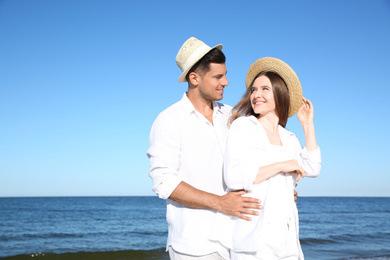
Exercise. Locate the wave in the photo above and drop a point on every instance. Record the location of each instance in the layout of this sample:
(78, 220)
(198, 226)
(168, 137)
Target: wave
(316, 241)
(346, 238)
(24, 237)
(360, 237)
(155, 254)
(384, 257)
(54, 235)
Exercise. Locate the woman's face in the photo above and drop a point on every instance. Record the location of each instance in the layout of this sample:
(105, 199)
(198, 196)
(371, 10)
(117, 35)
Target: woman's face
(262, 97)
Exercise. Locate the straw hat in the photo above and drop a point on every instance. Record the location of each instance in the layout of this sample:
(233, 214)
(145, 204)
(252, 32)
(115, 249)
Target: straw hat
(190, 53)
(285, 72)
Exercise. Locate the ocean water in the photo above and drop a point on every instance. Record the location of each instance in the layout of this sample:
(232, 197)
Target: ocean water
(135, 228)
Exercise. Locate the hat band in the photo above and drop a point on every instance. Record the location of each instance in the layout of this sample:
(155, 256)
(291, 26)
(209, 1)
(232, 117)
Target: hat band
(195, 55)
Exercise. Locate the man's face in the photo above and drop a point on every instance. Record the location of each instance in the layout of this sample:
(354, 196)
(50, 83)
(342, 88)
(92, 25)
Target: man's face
(211, 84)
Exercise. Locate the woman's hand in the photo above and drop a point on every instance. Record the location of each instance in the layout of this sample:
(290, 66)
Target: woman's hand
(305, 117)
(293, 167)
(306, 113)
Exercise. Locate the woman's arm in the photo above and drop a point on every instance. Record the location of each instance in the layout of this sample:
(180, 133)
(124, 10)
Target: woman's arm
(311, 155)
(267, 171)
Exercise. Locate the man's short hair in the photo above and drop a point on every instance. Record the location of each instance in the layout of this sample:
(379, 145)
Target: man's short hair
(203, 65)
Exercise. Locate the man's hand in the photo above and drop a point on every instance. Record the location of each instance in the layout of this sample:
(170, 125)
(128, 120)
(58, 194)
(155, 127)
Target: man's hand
(234, 204)
(295, 196)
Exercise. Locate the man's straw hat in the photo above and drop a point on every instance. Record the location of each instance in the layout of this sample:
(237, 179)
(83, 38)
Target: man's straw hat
(285, 72)
(190, 53)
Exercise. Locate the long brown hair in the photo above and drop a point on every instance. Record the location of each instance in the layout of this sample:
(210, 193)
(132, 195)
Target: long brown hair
(281, 95)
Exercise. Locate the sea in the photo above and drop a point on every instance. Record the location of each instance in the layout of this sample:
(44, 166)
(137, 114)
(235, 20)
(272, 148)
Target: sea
(121, 228)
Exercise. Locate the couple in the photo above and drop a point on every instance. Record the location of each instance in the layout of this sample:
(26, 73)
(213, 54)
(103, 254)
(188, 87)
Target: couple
(228, 174)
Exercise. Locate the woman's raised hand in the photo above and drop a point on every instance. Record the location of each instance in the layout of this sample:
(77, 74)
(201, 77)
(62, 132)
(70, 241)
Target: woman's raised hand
(306, 113)
(305, 117)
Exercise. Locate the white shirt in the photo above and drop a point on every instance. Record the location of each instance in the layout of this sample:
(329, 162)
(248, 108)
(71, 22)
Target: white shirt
(274, 234)
(185, 146)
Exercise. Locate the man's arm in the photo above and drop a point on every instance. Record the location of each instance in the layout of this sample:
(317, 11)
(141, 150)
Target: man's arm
(233, 203)
(164, 153)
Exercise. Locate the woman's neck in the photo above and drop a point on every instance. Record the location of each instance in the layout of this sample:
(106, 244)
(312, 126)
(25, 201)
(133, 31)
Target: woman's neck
(270, 123)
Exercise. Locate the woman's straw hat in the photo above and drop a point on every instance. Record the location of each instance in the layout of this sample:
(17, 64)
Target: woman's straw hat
(190, 53)
(285, 72)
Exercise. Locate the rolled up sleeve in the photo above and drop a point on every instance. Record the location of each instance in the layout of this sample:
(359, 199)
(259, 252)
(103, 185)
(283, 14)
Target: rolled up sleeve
(164, 156)
(310, 161)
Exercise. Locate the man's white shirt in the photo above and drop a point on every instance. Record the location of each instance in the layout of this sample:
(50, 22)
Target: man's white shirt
(185, 146)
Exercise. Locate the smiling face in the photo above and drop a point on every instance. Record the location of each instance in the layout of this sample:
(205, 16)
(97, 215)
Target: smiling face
(262, 97)
(268, 94)
(211, 85)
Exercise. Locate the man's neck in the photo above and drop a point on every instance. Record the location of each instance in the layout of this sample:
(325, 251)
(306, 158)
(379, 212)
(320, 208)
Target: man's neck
(203, 106)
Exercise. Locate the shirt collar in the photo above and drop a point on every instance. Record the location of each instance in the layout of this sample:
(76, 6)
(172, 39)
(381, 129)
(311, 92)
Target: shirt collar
(188, 108)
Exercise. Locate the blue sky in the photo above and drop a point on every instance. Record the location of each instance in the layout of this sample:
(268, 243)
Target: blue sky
(81, 83)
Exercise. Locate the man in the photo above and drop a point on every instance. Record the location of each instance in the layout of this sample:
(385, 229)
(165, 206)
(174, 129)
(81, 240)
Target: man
(187, 142)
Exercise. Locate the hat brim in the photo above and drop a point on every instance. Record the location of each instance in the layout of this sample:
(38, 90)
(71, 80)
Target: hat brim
(182, 77)
(285, 72)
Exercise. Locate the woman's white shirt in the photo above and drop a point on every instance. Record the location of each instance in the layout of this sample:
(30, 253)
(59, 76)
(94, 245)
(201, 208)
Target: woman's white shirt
(275, 231)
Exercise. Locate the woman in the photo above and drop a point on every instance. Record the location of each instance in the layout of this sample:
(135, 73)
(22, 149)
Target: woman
(265, 159)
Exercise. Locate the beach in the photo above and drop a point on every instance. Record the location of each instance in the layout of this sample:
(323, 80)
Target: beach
(122, 255)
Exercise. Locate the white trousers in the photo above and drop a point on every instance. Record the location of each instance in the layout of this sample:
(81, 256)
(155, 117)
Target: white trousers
(173, 255)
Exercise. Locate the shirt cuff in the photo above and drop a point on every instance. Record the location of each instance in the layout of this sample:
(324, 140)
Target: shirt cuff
(250, 176)
(165, 189)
